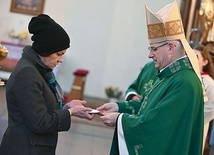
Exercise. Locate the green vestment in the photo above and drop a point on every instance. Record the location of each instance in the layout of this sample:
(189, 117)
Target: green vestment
(144, 81)
(169, 118)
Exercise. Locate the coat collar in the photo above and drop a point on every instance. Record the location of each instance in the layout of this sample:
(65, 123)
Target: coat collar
(30, 53)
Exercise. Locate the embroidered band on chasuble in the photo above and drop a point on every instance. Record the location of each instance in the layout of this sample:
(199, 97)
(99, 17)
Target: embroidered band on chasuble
(166, 25)
(175, 67)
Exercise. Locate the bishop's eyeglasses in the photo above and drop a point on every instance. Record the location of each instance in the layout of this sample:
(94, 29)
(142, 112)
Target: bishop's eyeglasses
(153, 49)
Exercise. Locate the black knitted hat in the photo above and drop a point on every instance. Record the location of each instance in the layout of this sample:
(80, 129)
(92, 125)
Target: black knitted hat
(48, 36)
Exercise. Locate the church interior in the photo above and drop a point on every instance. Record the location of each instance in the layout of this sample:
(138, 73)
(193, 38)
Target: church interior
(108, 49)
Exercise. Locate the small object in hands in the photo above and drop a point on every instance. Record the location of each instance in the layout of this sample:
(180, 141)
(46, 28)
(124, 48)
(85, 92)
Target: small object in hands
(94, 111)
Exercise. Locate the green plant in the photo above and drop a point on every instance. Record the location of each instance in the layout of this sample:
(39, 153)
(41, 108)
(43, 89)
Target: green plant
(113, 92)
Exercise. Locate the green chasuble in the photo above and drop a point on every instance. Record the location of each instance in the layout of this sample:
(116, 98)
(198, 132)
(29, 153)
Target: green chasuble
(144, 81)
(169, 119)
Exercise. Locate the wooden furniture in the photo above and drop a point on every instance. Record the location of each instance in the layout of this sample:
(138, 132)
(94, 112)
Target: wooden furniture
(77, 89)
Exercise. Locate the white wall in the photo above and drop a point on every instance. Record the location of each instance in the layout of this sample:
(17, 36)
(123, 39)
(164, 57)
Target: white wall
(108, 38)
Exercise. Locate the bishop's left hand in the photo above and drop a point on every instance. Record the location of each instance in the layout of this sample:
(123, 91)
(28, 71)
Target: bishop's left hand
(110, 119)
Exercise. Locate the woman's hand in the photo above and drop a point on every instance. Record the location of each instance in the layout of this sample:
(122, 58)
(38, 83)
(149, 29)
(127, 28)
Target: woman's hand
(81, 112)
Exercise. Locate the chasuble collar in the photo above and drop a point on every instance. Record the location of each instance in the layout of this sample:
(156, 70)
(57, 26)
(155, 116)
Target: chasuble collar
(176, 66)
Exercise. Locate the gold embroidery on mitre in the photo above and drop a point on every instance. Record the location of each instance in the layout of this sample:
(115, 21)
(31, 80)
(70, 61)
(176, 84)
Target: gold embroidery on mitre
(174, 27)
(156, 30)
(171, 28)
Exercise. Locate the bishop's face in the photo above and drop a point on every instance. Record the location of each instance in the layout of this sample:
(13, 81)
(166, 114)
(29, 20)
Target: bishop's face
(159, 54)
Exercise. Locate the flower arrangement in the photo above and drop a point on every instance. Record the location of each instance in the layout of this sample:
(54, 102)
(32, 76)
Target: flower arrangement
(21, 36)
(113, 92)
